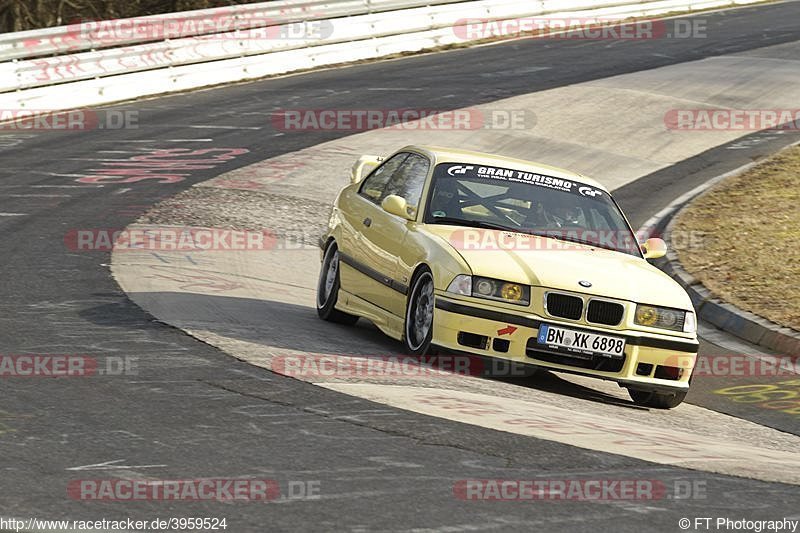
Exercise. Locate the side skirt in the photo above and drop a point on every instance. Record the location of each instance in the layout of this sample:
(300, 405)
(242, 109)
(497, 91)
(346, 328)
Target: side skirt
(388, 323)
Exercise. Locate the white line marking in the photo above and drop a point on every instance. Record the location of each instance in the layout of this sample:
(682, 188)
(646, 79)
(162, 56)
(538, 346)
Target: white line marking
(341, 495)
(58, 175)
(111, 465)
(39, 195)
(528, 70)
(63, 186)
(159, 141)
(13, 214)
(105, 160)
(214, 127)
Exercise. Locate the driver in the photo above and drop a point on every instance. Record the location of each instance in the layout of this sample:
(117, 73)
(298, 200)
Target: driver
(567, 215)
(445, 202)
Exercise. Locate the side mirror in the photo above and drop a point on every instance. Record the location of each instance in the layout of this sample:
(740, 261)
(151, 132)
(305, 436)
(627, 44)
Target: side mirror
(654, 248)
(362, 167)
(396, 205)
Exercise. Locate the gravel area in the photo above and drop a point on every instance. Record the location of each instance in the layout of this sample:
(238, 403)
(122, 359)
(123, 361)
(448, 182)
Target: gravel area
(749, 229)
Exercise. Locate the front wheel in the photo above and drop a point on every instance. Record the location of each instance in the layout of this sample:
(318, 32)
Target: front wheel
(657, 400)
(328, 289)
(419, 315)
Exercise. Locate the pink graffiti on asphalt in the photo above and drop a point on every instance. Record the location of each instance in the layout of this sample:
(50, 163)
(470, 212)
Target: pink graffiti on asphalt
(261, 175)
(161, 165)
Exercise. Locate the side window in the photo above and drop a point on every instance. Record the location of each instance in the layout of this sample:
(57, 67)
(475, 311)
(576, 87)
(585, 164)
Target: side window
(375, 184)
(409, 180)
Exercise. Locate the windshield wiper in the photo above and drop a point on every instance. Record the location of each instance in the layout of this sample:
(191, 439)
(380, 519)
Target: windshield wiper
(477, 224)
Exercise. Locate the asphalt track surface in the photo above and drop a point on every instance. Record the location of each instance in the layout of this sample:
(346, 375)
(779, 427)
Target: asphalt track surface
(193, 412)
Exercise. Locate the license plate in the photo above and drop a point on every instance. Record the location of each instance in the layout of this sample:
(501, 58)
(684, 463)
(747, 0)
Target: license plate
(580, 342)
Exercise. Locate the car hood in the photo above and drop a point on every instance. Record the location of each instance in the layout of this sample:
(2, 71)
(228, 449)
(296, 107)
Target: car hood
(544, 262)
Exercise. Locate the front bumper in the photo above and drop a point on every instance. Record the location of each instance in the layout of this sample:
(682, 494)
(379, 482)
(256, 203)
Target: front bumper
(650, 362)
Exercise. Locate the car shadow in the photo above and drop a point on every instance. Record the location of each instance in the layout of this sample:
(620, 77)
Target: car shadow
(547, 381)
(277, 325)
(297, 328)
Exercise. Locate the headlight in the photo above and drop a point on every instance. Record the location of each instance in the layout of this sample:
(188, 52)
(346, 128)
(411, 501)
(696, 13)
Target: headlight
(661, 317)
(491, 289)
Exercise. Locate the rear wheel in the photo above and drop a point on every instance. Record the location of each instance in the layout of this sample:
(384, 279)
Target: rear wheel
(328, 289)
(418, 329)
(657, 400)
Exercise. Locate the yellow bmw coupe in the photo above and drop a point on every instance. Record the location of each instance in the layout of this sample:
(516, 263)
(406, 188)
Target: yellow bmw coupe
(474, 253)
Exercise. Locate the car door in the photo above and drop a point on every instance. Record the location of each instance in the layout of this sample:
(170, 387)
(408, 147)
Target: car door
(383, 240)
(362, 207)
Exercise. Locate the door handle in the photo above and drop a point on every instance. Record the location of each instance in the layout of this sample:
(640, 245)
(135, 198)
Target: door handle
(367, 222)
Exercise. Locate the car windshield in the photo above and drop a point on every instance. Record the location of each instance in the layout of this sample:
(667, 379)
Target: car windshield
(506, 199)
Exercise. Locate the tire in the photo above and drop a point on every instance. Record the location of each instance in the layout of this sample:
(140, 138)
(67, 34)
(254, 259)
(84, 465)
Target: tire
(657, 400)
(418, 325)
(328, 289)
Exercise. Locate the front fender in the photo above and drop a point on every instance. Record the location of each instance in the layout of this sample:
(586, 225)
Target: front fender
(425, 248)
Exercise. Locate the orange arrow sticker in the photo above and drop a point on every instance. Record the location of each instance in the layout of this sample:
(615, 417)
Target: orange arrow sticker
(508, 330)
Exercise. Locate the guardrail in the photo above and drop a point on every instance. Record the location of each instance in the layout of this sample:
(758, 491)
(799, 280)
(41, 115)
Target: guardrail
(92, 35)
(180, 51)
